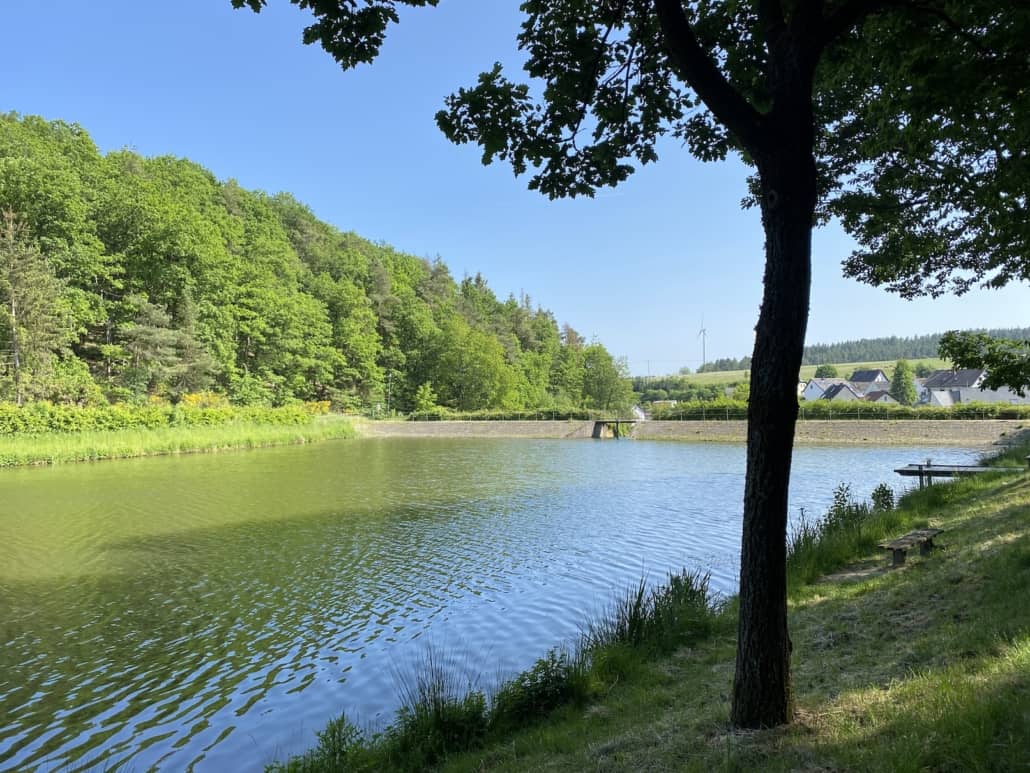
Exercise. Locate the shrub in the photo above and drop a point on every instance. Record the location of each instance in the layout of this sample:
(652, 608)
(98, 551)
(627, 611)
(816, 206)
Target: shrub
(883, 497)
(659, 618)
(317, 407)
(440, 413)
(435, 721)
(553, 681)
(848, 528)
(40, 418)
(203, 400)
(844, 512)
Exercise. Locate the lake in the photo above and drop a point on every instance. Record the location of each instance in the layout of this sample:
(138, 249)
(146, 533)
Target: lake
(214, 611)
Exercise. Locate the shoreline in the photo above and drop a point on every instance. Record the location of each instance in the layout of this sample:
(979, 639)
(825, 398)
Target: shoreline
(860, 704)
(952, 432)
(63, 448)
(68, 448)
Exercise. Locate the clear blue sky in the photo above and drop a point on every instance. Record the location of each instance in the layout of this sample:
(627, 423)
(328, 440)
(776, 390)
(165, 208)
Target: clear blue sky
(638, 266)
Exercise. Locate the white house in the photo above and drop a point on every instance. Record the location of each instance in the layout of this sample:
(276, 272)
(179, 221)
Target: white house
(953, 387)
(815, 388)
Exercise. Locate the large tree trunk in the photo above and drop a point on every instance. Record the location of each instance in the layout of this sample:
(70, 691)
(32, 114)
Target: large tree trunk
(761, 690)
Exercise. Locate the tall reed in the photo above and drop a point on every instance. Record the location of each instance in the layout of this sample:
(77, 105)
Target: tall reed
(438, 719)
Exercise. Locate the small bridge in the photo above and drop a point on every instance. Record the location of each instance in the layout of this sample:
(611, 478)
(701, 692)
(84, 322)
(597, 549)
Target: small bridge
(613, 428)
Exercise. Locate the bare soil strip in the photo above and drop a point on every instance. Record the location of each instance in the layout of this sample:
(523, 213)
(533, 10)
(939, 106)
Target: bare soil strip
(966, 432)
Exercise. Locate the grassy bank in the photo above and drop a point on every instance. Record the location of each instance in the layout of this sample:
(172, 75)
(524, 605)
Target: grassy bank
(926, 667)
(921, 668)
(59, 448)
(439, 718)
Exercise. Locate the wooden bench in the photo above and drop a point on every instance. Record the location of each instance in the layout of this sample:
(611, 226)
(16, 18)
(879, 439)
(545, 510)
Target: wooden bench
(921, 537)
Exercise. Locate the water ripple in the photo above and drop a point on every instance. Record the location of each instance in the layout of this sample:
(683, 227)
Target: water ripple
(211, 613)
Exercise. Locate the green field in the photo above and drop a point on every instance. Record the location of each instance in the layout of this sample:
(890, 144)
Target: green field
(808, 371)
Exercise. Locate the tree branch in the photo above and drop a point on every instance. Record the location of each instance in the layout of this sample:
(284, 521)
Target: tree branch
(953, 25)
(696, 67)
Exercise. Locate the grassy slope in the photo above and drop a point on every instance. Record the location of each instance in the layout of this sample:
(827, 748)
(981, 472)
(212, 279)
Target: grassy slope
(59, 448)
(922, 668)
(808, 371)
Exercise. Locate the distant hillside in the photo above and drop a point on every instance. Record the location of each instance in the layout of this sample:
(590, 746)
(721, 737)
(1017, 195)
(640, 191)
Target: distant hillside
(892, 348)
(712, 385)
(866, 350)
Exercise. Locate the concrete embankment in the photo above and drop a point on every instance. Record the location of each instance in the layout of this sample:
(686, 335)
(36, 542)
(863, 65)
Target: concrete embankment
(883, 432)
(486, 429)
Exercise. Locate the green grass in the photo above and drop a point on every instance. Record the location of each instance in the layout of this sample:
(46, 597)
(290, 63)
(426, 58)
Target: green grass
(440, 718)
(808, 371)
(924, 668)
(57, 448)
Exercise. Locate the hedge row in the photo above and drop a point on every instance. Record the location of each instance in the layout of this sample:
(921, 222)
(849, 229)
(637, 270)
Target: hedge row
(443, 414)
(826, 409)
(42, 418)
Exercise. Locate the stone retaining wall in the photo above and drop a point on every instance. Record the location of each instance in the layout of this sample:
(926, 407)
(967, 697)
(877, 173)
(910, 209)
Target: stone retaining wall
(880, 432)
(883, 432)
(497, 429)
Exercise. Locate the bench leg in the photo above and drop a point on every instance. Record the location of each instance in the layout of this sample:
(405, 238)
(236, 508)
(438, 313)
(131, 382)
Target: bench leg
(926, 548)
(897, 557)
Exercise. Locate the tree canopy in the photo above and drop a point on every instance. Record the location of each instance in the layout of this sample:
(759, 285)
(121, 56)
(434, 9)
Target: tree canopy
(125, 278)
(905, 119)
(903, 384)
(1006, 360)
(945, 113)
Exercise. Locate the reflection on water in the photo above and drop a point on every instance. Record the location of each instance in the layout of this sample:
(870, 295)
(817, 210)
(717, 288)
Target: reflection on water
(216, 610)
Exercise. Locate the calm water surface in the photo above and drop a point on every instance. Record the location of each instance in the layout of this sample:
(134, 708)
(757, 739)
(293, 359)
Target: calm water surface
(212, 612)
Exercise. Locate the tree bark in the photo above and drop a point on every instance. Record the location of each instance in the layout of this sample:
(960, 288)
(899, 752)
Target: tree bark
(762, 694)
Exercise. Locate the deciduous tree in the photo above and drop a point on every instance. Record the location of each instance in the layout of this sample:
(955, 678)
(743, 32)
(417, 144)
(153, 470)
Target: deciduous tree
(606, 383)
(35, 322)
(1007, 361)
(862, 108)
(903, 384)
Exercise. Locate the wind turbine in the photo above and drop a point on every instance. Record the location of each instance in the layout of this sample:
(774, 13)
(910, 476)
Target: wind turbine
(703, 335)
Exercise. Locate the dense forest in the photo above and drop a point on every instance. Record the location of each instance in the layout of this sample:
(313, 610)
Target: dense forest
(124, 278)
(891, 348)
(867, 350)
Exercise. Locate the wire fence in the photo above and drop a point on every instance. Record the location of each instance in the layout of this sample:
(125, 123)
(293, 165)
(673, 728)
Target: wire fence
(738, 412)
(856, 413)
